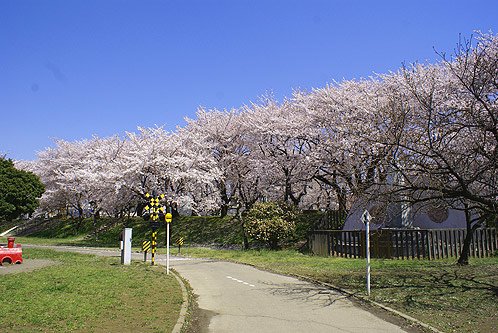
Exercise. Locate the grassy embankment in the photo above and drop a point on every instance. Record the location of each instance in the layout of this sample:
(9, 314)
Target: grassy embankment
(200, 230)
(83, 293)
(195, 230)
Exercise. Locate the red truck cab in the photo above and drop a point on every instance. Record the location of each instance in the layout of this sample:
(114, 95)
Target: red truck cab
(12, 254)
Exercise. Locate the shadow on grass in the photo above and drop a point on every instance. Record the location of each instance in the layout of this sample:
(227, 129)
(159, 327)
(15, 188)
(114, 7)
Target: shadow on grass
(448, 281)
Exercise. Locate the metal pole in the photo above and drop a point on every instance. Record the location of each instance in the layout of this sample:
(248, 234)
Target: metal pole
(167, 248)
(365, 218)
(367, 231)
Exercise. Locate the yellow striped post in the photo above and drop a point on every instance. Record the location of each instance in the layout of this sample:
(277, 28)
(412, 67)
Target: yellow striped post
(145, 248)
(179, 242)
(153, 247)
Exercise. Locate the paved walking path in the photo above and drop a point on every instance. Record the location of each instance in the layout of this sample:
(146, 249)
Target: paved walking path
(241, 298)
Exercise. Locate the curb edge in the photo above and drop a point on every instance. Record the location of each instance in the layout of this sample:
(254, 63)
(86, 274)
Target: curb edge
(366, 299)
(183, 311)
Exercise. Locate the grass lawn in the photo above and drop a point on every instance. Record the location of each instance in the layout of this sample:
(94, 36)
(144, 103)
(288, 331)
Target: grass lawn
(84, 293)
(439, 293)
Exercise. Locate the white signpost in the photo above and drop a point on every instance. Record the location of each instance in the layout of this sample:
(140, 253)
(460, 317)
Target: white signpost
(365, 218)
(126, 246)
(168, 217)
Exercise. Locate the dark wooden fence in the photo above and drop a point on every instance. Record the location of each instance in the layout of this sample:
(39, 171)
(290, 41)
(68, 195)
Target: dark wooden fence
(331, 220)
(402, 243)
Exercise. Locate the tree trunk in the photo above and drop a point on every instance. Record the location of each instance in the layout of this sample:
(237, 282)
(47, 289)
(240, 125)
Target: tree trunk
(287, 191)
(464, 256)
(244, 235)
(224, 199)
(245, 240)
(95, 226)
(174, 209)
(140, 208)
(80, 218)
(127, 223)
(224, 210)
(342, 199)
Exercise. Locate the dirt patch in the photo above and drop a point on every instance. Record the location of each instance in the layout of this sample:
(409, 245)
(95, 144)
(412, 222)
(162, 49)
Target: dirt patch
(200, 319)
(28, 265)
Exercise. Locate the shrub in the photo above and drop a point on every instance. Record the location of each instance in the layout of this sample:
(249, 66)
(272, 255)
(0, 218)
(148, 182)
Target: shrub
(270, 222)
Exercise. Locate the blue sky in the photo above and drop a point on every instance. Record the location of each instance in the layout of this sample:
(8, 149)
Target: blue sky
(70, 69)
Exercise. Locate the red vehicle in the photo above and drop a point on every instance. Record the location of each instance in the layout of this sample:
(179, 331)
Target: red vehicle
(12, 254)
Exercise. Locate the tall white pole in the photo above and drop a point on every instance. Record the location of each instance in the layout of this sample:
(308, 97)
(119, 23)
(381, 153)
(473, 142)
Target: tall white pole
(365, 217)
(367, 231)
(167, 248)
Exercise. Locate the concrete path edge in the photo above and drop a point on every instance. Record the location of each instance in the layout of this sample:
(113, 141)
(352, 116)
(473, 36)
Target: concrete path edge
(366, 299)
(185, 305)
(351, 294)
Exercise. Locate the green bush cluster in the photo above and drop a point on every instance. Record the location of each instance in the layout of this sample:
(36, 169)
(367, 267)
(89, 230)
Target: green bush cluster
(271, 222)
(19, 191)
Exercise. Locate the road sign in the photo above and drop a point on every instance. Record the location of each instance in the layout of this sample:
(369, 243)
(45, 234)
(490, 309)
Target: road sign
(168, 217)
(366, 217)
(145, 246)
(179, 242)
(153, 208)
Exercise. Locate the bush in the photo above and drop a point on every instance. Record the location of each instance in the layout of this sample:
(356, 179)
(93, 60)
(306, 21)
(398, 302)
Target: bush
(19, 191)
(270, 222)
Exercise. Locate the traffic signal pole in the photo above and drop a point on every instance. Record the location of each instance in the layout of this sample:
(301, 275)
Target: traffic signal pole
(154, 210)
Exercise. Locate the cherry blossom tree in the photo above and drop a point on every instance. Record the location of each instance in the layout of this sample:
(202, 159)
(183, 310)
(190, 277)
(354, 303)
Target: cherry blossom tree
(178, 165)
(280, 146)
(425, 134)
(348, 157)
(79, 174)
(447, 148)
(223, 136)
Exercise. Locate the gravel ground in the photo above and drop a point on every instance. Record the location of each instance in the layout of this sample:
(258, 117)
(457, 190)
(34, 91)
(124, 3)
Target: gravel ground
(28, 265)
